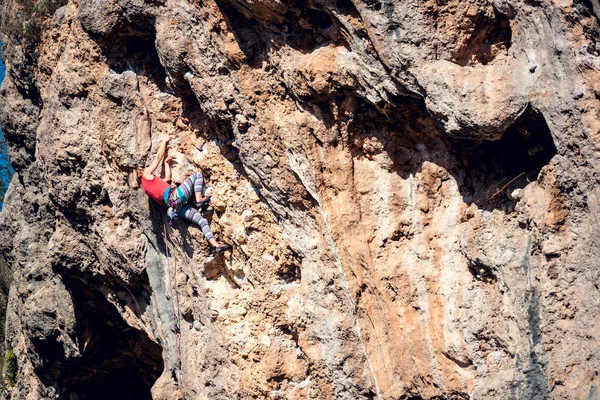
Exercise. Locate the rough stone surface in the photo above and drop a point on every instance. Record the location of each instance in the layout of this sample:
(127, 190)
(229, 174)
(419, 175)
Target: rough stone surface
(410, 188)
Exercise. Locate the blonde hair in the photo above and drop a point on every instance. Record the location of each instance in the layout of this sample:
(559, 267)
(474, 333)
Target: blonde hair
(133, 179)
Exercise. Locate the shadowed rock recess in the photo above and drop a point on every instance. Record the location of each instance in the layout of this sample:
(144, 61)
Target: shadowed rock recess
(410, 189)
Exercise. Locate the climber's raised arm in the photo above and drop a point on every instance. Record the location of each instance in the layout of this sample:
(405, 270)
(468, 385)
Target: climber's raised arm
(157, 160)
(168, 161)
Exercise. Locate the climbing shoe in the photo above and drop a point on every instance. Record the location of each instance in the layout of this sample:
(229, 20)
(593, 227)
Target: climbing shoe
(222, 248)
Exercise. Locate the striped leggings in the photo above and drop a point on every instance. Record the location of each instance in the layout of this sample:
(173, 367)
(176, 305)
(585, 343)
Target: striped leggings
(184, 193)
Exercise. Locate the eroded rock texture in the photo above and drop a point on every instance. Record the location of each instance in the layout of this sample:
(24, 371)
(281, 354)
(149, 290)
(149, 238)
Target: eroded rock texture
(411, 188)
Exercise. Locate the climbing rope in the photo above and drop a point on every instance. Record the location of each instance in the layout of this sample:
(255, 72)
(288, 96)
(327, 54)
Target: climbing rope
(174, 318)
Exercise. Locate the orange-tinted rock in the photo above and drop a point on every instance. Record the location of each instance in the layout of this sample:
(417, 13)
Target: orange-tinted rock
(409, 189)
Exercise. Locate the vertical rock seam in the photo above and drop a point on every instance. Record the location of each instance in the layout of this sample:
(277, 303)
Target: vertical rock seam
(410, 190)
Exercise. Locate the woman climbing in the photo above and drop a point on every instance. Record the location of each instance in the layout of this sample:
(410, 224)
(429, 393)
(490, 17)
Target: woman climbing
(176, 198)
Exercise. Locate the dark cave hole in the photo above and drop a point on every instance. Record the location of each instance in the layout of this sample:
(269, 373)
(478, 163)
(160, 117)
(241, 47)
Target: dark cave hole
(307, 27)
(116, 362)
(124, 383)
(136, 53)
(488, 39)
(346, 7)
(482, 272)
(312, 28)
(370, 395)
(590, 9)
(318, 19)
(248, 34)
(373, 4)
(304, 35)
(132, 47)
(488, 172)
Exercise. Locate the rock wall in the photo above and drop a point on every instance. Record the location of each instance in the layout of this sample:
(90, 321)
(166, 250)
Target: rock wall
(411, 190)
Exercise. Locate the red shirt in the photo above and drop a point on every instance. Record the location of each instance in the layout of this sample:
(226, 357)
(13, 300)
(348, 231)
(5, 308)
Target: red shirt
(155, 188)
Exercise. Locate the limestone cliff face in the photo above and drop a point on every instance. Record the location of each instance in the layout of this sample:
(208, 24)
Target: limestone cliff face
(411, 189)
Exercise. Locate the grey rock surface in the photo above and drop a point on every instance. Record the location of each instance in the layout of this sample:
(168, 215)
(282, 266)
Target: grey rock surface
(410, 189)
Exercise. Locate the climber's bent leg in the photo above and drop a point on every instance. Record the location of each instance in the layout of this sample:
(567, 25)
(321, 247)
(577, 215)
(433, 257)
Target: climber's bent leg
(192, 185)
(191, 214)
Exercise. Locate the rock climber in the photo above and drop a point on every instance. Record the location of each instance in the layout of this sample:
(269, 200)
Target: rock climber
(177, 198)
